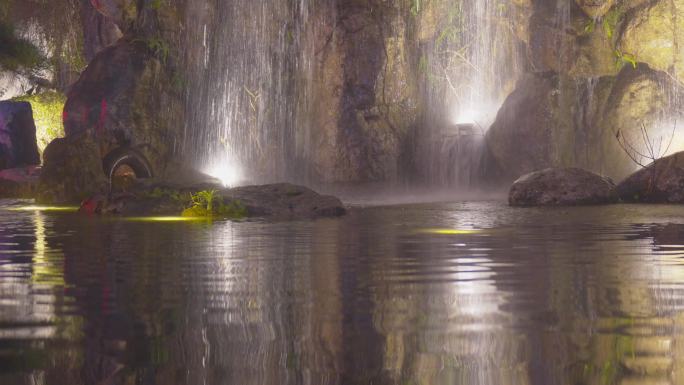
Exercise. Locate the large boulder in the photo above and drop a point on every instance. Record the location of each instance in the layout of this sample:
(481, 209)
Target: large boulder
(660, 182)
(562, 187)
(522, 138)
(126, 99)
(72, 170)
(18, 146)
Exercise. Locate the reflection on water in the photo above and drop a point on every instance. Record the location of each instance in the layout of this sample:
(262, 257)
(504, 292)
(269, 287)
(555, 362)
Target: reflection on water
(463, 293)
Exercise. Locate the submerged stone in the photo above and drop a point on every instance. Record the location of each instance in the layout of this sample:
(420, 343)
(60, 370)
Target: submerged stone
(660, 182)
(562, 187)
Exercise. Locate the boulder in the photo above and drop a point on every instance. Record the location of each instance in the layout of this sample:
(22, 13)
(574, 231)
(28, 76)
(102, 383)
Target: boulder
(661, 182)
(72, 170)
(522, 137)
(18, 146)
(275, 201)
(285, 201)
(19, 183)
(126, 100)
(562, 187)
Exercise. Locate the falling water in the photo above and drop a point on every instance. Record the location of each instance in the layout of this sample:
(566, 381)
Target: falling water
(250, 67)
(472, 66)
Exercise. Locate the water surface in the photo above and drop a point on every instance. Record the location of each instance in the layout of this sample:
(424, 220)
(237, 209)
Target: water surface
(449, 293)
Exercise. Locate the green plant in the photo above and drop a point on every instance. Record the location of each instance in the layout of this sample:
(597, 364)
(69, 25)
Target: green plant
(156, 4)
(157, 46)
(17, 53)
(207, 204)
(233, 209)
(47, 113)
(611, 21)
(415, 7)
(622, 58)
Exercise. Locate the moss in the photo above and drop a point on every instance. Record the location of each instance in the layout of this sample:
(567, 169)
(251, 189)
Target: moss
(207, 204)
(17, 53)
(47, 113)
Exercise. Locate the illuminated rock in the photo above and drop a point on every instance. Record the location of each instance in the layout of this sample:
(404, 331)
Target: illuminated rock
(660, 182)
(562, 187)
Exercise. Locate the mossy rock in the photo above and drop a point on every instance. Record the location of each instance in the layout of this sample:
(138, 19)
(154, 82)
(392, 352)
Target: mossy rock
(653, 35)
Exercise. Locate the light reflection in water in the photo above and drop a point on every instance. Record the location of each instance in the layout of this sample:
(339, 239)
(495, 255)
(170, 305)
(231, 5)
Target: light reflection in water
(540, 297)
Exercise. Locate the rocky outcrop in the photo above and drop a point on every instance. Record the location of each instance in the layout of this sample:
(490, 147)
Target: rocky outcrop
(652, 35)
(366, 100)
(660, 182)
(638, 98)
(125, 99)
(562, 187)
(18, 146)
(275, 201)
(72, 170)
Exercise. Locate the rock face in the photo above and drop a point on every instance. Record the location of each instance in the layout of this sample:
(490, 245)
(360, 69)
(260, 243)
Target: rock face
(595, 8)
(366, 99)
(561, 187)
(18, 146)
(72, 170)
(651, 35)
(660, 182)
(125, 99)
(522, 137)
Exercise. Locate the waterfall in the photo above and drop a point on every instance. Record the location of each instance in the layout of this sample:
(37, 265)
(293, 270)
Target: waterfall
(249, 68)
(471, 67)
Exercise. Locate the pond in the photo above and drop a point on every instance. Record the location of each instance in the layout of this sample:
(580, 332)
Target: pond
(441, 293)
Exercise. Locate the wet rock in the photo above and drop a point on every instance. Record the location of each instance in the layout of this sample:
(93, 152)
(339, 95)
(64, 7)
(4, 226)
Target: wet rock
(366, 99)
(285, 201)
(125, 98)
(562, 187)
(639, 97)
(521, 138)
(18, 146)
(651, 35)
(275, 201)
(660, 182)
(20, 183)
(72, 170)
(120, 12)
(595, 8)
(578, 49)
(99, 31)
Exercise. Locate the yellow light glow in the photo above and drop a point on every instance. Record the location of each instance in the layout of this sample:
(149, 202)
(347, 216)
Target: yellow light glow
(167, 219)
(450, 231)
(44, 208)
